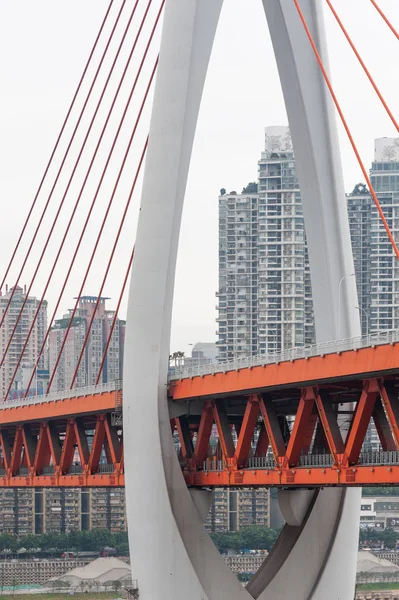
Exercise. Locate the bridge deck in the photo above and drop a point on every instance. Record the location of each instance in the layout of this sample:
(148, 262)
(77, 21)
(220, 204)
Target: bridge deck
(273, 424)
(379, 360)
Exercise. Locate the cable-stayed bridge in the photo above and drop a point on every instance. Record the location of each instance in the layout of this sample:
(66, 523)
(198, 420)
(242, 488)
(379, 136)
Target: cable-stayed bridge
(297, 420)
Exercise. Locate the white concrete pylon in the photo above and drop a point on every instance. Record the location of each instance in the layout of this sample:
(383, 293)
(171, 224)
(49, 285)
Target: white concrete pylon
(171, 554)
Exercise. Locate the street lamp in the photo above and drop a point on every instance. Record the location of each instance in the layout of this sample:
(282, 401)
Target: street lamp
(339, 300)
(367, 318)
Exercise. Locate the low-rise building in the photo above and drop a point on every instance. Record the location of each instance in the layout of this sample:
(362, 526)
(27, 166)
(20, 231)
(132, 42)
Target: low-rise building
(380, 512)
(17, 572)
(245, 564)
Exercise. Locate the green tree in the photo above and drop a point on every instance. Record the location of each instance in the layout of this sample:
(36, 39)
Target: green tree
(8, 543)
(258, 538)
(360, 189)
(253, 537)
(100, 538)
(30, 542)
(223, 192)
(251, 188)
(177, 357)
(389, 538)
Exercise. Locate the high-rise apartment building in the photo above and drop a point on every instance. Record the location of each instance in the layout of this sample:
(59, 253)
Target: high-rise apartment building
(359, 215)
(238, 283)
(265, 295)
(384, 275)
(95, 347)
(285, 308)
(376, 266)
(19, 338)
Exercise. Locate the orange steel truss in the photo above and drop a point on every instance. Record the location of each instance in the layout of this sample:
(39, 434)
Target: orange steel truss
(299, 423)
(70, 443)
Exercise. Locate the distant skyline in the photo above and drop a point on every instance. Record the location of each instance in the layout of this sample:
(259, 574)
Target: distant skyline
(44, 47)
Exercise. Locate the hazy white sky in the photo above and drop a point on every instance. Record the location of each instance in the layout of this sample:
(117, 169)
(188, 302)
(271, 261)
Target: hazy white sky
(43, 48)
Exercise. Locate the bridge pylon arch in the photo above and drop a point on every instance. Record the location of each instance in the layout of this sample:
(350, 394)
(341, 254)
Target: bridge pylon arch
(172, 556)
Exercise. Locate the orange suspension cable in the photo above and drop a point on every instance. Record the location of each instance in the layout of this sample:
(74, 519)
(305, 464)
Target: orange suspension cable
(90, 325)
(38, 226)
(111, 331)
(352, 45)
(111, 199)
(56, 145)
(61, 203)
(348, 131)
(387, 21)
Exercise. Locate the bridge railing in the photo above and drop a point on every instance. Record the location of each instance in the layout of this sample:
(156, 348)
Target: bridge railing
(371, 340)
(367, 341)
(62, 395)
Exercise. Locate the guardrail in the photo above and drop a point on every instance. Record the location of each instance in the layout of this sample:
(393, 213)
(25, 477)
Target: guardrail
(344, 345)
(367, 341)
(63, 395)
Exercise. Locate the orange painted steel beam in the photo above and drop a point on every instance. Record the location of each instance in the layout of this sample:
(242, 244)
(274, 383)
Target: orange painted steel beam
(272, 428)
(299, 477)
(43, 452)
(361, 420)
(116, 479)
(29, 449)
(204, 433)
(355, 364)
(98, 442)
(391, 405)
(304, 426)
(72, 407)
(315, 407)
(224, 430)
(247, 430)
(114, 443)
(185, 437)
(329, 423)
(382, 427)
(61, 447)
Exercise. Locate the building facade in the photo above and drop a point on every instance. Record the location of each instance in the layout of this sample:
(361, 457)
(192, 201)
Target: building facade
(15, 573)
(25, 511)
(384, 276)
(265, 294)
(30, 355)
(231, 510)
(285, 308)
(238, 275)
(95, 347)
(380, 512)
(359, 204)
(376, 266)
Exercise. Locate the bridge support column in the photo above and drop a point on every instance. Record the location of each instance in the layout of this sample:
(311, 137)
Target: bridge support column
(172, 556)
(328, 541)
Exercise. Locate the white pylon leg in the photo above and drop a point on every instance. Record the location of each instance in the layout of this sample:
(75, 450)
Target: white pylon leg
(171, 554)
(322, 562)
